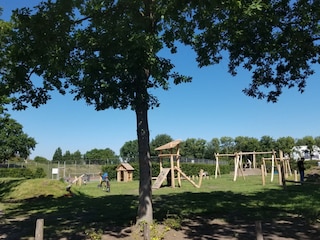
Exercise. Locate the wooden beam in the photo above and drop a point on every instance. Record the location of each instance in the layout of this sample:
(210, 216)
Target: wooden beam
(226, 154)
(168, 154)
(169, 145)
(248, 153)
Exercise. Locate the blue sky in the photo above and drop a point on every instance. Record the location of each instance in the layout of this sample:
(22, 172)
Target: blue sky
(212, 106)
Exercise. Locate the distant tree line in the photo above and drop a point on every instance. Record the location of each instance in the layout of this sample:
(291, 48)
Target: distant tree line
(201, 149)
(196, 148)
(16, 146)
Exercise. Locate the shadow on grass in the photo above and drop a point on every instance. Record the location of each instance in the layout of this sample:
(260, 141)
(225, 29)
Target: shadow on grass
(292, 213)
(7, 186)
(286, 213)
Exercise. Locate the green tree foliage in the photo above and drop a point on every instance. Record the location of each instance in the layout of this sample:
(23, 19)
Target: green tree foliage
(267, 143)
(57, 156)
(278, 41)
(39, 159)
(285, 144)
(158, 141)
(212, 147)
(5, 28)
(77, 156)
(13, 141)
(67, 157)
(317, 141)
(193, 148)
(102, 156)
(227, 144)
(129, 151)
(246, 144)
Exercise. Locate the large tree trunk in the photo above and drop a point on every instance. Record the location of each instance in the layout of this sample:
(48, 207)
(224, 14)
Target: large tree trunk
(145, 210)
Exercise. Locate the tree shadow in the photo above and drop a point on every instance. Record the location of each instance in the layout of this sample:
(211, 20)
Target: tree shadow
(7, 186)
(288, 213)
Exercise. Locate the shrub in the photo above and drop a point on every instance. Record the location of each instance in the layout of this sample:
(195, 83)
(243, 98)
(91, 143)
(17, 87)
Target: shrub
(39, 173)
(22, 173)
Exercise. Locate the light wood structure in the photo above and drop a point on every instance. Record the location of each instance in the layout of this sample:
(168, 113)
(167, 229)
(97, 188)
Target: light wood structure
(282, 164)
(238, 162)
(125, 172)
(171, 151)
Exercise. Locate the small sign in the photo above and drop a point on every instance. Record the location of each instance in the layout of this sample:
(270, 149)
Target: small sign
(55, 170)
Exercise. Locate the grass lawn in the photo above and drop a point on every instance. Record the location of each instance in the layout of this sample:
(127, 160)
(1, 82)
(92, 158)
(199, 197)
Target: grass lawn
(91, 210)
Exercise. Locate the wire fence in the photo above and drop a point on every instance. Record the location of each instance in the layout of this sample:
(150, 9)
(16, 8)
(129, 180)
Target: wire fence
(71, 169)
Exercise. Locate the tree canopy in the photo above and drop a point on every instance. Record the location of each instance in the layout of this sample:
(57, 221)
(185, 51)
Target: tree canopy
(13, 141)
(106, 155)
(129, 151)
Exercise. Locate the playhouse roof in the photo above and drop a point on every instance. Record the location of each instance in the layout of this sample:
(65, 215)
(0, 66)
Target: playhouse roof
(126, 166)
(169, 145)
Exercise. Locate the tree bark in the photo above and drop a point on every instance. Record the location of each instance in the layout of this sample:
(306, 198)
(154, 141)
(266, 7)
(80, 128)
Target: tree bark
(145, 210)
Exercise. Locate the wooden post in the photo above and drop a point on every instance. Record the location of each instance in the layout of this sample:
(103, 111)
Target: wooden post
(254, 160)
(262, 175)
(79, 181)
(259, 230)
(289, 167)
(217, 171)
(200, 178)
(272, 168)
(39, 229)
(240, 161)
(295, 175)
(279, 174)
(283, 175)
(178, 166)
(265, 167)
(241, 169)
(172, 172)
(160, 162)
(236, 165)
(286, 165)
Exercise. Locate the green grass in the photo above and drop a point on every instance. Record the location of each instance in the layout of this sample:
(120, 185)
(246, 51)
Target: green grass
(93, 209)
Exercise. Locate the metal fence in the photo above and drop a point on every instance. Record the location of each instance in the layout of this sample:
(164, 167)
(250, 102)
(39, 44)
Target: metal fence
(68, 170)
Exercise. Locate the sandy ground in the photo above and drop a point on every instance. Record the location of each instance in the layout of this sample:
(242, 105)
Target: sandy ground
(210, 229)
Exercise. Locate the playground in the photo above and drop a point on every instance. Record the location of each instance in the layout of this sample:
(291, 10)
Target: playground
(220, 209)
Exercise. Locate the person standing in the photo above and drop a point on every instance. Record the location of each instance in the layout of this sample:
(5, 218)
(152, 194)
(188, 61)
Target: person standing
(301, 168)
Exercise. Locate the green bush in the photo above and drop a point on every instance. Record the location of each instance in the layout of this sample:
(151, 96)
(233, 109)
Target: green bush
(22, 173)
(39, 173)
(111, 170)
(189, 169)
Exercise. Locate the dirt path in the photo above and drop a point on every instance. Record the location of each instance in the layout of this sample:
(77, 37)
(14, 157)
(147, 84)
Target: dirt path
(218, 229)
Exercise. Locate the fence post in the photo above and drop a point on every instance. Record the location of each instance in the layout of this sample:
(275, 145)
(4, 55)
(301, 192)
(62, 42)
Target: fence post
(39, 229)
(259, 235)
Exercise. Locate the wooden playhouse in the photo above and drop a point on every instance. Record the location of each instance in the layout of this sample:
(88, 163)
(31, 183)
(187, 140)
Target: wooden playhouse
(125, 172)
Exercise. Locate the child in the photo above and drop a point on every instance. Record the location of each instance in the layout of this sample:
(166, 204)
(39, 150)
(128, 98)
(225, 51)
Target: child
(104, 178)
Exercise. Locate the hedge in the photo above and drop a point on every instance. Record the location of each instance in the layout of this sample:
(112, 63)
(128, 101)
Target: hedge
(188, 168)
(22, 173)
